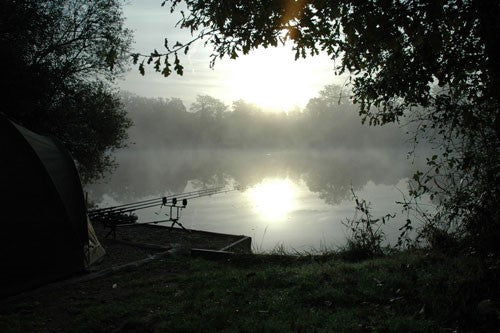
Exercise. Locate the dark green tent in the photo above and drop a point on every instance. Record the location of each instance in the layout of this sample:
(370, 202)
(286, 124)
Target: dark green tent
(43, 215)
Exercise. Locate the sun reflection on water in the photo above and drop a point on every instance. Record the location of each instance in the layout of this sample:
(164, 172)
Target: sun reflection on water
(273, 198)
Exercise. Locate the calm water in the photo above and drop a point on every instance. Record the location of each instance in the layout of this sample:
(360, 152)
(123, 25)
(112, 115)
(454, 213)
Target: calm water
(296, 199)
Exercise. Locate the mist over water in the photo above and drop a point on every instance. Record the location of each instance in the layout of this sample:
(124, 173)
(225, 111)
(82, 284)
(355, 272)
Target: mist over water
(294, 170)
(295, 198)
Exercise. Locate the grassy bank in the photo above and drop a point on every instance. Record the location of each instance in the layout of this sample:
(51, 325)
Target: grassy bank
(410, 292)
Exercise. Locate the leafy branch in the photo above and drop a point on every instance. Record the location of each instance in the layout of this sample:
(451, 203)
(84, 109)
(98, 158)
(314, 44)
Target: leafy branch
(161, 62)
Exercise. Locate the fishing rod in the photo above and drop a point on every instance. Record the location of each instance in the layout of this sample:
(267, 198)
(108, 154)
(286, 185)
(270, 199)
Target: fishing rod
(163, 201)
(154, 200)
(151, 201)
(116, 216)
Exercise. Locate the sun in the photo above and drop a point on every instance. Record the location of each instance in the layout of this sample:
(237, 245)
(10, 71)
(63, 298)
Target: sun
(273, 198)
(272, 79)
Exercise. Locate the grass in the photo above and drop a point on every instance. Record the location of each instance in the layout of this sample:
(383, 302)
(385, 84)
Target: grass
(405, 292)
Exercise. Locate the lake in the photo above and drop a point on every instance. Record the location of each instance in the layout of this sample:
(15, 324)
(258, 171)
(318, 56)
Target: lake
(295, 199)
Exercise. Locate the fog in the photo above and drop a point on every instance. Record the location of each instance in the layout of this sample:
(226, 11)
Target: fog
(329, 173)
(295, 170)
(325, 123)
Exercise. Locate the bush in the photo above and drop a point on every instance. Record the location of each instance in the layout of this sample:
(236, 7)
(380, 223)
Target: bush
(365, 234)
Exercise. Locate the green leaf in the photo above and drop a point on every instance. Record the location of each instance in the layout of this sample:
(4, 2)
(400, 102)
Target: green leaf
(157, 64)
(135, 58)
(177, 66)
(166, 71)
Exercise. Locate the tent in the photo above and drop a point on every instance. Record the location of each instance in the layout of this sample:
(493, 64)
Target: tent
(44, 226)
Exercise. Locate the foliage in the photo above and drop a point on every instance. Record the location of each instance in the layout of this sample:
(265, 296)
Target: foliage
(59, 60)
(365, 236)
(435, 62)
(91, 121)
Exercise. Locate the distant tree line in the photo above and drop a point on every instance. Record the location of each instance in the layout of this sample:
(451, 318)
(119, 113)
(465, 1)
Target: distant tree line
(326, 122)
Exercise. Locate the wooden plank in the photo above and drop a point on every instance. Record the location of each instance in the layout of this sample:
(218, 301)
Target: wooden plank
(245, 242)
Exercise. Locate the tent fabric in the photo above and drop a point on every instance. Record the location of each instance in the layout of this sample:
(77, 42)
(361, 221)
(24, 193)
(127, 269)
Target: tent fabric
(94, 250)
(44, 223)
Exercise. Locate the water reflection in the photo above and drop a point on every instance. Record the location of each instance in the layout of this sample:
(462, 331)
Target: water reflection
(330, 174)
(294, 198)
(273, 198)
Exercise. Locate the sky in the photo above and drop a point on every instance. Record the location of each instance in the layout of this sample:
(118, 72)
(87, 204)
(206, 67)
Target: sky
(269, 78)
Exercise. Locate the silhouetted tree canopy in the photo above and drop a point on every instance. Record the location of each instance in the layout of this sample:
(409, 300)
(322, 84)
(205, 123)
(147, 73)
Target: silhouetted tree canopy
(59, 60)
(397, 49)
(435, 62)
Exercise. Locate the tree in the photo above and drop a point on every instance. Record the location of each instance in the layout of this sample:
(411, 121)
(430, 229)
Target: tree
(59, 60)
(435, 62)
(92, 123)
(208, 106)
(209, 112)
